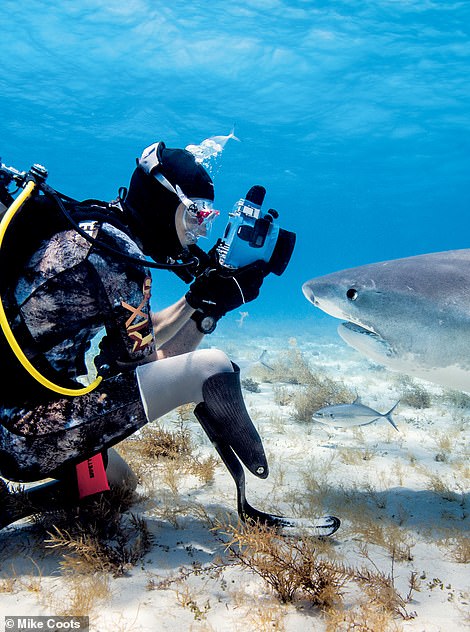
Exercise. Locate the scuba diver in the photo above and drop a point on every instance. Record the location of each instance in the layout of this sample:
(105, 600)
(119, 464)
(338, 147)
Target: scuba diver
(80, 272)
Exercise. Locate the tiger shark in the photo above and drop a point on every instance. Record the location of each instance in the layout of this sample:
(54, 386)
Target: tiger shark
(411, 315)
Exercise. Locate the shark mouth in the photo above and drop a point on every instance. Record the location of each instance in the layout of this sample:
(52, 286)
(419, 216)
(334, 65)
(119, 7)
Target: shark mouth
(359, 329)
(364, 339)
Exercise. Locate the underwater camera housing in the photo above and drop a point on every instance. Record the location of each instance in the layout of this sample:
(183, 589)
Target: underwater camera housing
(251, 235)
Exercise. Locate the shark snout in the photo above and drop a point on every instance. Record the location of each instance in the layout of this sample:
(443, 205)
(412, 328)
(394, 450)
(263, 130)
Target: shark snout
(327, 295)
(322, 295)
(309, 294)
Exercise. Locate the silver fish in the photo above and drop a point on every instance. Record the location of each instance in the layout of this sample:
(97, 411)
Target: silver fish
(210, 148)
(246, 365)
(348, 415)
(411, 315)
(223, 140)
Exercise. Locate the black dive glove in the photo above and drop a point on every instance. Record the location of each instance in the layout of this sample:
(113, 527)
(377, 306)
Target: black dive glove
(219, 291)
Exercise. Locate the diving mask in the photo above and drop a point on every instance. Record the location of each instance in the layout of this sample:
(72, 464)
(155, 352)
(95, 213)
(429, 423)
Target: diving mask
(197, 213)
(197, 217)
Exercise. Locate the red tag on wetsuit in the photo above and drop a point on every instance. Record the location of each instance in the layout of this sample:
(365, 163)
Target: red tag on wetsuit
(91, 476)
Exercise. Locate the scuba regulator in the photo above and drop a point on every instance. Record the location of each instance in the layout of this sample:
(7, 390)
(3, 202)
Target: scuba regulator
(251, 235)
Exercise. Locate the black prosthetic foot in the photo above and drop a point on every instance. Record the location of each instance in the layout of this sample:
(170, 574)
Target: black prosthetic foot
(226, 421)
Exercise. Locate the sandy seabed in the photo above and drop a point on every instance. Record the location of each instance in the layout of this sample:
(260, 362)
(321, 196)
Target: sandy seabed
(402, 498)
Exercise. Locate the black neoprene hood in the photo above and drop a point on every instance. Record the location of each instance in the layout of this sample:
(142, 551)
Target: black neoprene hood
(151, 207)
(179, 166)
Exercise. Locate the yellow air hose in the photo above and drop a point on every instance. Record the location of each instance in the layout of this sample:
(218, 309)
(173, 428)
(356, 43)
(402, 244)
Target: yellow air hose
(17, 204)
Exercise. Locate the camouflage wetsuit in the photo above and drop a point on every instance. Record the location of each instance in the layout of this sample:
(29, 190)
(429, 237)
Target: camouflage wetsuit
(69, 292)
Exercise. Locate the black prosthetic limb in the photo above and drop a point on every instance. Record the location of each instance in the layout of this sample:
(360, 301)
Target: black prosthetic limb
(230, 433)
(326, 525)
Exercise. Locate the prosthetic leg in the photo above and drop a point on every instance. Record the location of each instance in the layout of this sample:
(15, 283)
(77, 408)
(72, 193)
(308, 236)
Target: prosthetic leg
(226, 421)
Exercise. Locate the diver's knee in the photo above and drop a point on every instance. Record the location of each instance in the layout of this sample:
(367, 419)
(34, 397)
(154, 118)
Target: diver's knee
(119, 473)
(213, 361)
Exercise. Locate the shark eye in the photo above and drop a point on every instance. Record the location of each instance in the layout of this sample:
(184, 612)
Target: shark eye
(351, 294)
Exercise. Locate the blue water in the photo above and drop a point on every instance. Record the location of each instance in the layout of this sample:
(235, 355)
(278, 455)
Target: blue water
(355, 116)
